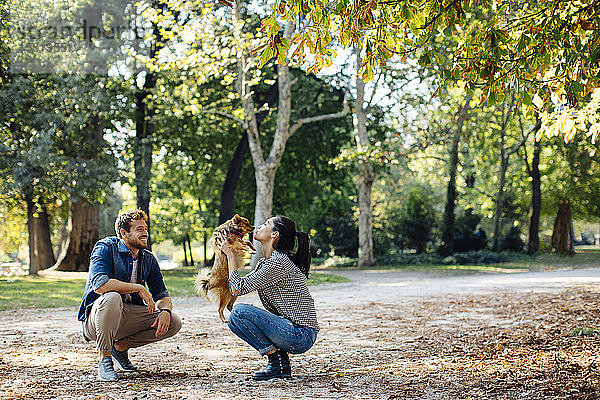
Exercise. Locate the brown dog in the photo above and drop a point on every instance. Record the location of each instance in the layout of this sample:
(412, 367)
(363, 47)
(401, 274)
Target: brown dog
(213, 284)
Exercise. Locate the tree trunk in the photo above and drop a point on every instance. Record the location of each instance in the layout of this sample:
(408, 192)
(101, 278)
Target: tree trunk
(366, 175)
(535, 209)
(447, 246)
(365, 218)
(500, 201)
(231, 181)
(144, 135)
(235, 166)
(265, 182)
(189, 242)
(41, 255)
(83, 235)
(504, 159)
(265, 168)
(448, 224)
(185, 258)
(205, 245)
(142, 151)
(563, 238)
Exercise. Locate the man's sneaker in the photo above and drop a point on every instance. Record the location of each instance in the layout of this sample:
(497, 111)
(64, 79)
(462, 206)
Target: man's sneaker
(106, 371)
(122, 361)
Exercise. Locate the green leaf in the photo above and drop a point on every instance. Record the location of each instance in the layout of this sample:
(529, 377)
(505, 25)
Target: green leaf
(577, 86)
(526, 98)
(491, 99)
(265, 56)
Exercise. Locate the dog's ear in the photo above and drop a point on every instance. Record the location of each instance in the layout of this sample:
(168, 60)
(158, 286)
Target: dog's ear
(237, 218)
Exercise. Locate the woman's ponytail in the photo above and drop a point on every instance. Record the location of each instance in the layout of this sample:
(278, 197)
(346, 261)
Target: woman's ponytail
(302, 257)
(287, 235)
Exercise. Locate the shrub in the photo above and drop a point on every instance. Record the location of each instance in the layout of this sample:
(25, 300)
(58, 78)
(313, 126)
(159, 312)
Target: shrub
(466, 258)
(465, 237)
(512, 241)
(416, 219)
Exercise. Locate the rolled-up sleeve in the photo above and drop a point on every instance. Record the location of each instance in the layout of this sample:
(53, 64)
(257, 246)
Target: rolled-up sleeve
(100, 266)
(267, 273)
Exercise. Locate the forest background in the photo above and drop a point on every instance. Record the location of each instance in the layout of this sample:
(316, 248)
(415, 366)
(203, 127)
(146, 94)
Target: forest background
(193, 114)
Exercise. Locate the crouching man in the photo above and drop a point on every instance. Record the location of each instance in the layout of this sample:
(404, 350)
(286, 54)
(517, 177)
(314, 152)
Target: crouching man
(117, 311)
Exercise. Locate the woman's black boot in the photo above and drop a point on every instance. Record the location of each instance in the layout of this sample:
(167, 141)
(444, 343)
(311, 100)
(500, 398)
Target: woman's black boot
(285, 359)
(278, 367)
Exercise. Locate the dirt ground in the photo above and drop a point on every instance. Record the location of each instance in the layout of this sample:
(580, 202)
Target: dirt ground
(385, 335)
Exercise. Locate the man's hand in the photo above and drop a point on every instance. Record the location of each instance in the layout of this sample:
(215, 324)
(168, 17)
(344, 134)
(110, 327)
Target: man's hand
(147, 297)
(162, 323)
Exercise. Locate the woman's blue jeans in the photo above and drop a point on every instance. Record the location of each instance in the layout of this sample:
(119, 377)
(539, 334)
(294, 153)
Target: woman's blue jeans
(266, 331)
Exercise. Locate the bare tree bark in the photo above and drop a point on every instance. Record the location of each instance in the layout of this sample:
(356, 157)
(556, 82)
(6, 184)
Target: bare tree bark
(83, 235)
(563, 238)
(41, 255)
(142, 150)
(185, 258)
(189, 242)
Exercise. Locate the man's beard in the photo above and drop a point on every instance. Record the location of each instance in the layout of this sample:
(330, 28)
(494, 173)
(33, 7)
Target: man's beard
(138, 244)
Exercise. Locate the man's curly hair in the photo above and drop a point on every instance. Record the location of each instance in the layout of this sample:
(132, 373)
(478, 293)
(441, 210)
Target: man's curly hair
(124, 220)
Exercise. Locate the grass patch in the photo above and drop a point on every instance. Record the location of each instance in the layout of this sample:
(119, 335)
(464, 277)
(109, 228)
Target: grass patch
(180, 281)
(40, 292)
(318, 278)
(581, 259)
(37, 292)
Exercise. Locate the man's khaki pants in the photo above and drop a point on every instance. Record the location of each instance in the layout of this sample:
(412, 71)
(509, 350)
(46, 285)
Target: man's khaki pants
(112, 320)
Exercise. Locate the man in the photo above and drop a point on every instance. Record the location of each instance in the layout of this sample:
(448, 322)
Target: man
(117, 311)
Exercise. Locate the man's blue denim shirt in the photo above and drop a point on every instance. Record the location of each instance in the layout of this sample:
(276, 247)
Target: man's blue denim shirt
(112, 259)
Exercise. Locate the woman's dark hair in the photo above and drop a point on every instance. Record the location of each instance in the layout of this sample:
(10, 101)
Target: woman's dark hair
(287, 235)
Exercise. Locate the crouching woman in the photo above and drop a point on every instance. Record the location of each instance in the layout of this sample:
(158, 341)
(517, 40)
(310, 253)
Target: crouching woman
(288, 324)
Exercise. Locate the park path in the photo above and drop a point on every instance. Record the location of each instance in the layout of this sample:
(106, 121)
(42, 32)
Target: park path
(384, 335)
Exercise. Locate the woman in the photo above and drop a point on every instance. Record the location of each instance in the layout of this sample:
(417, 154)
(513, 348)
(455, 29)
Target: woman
(288, 324)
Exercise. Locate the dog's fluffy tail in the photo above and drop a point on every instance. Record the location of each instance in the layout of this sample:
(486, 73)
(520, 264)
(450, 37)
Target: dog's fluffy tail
(201, 283)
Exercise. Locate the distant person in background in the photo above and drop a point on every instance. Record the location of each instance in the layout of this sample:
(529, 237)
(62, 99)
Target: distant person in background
(117, 311)
(481, 233)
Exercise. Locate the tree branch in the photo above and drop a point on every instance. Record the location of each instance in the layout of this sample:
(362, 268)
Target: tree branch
(370, 102)
(225, 114)
(317, 118)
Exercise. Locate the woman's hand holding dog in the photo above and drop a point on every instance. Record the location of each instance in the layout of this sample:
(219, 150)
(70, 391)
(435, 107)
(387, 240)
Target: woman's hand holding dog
(225, 248)
(231, 258)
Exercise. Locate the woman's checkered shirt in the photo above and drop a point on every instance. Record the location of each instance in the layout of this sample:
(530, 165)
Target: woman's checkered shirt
(281, 287)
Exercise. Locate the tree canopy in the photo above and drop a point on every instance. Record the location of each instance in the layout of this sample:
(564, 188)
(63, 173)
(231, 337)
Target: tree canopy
(550, 48)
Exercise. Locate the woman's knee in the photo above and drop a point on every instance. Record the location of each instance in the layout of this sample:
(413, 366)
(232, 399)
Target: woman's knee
(239, 310)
